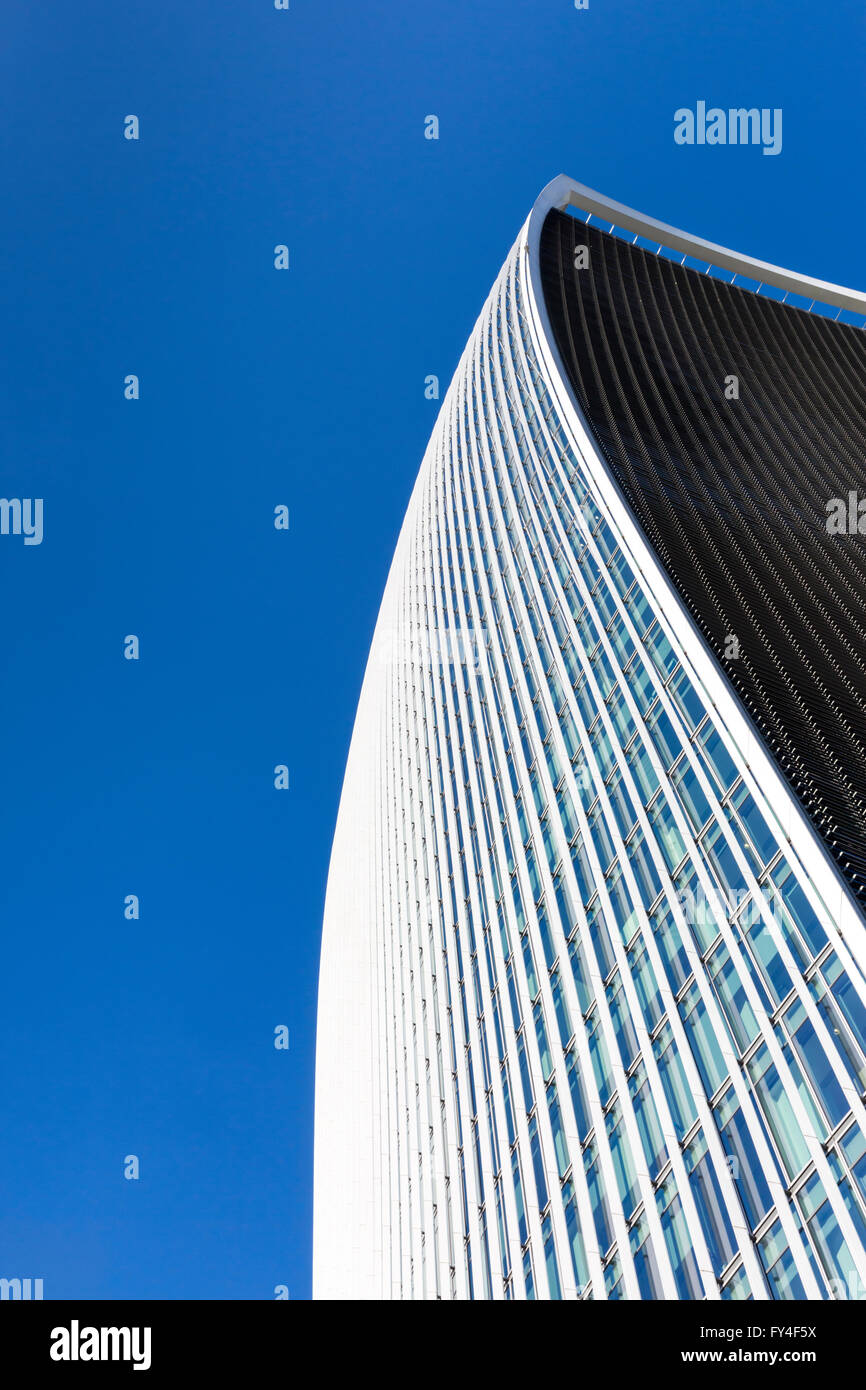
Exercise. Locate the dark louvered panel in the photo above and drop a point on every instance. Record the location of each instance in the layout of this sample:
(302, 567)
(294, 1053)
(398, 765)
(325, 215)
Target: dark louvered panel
(732, 494)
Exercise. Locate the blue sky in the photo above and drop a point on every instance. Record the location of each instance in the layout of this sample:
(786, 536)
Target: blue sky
(155, 1037)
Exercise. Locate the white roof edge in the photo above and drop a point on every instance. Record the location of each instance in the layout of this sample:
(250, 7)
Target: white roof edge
(564, 191)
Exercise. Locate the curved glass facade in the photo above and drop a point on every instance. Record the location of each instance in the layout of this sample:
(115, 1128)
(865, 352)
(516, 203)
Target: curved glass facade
(590, 1026)
(729, 419)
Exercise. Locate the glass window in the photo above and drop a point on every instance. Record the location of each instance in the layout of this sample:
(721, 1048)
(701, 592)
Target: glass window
(604, 539)
(537, 1162)
(710, 1204)
(516, 1015)
(560, 1147)
(600, 938)
(582, 870)
(528, 1280)
(566, 911)
(623, 1166)
(601, 837)
(645, 1266)
(648, 881)
(587, 629)
(850, 1006)
(597, 1197)
(547, 942)
(662, 733)
(567, 813)
(560, 1008)
(731, 995)
(641, 685)
(742, 810)
(529, 965)
(695, 803)
(506, 1097)
(833, 1252)
(852, 1149)
(534, 877)
(702, 1040)
(715, 757)
(621, 572)
(525, 1078)
(621, 803)
(599, 1059)
(818, 1124)
(604, 754)
(605, 603)
(778, 1112)
(661, 651)
(779, 1264)
(518, 905)
(795, 908)
(667, 833)
(543, 1046)
(737, 1286)
(604, 672)
(702, 913)
(676, 1087)
(518, 1198)
(626, 1038)
(686, 699)
(853, 1145)
(643, 770)
(623, 722)
(676, 1234)
(671, 949)
(624, 913)
(550, 849)
(502, 1227)
(575, 1239)
(613, 1279)
(640, 610)
(743, 1161)
(621, 641)
(763, 951)
(645, 984)
(723, 864)
(815, 1063)
(585, 701)
(580, 972)
(646, 1115)
(579, 1104)
(569, 731)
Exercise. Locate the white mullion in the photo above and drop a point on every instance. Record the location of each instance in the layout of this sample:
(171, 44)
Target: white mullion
(473, 1201)
(426, 1183)
(459, 720)
(455, 1237)
(434, 1110)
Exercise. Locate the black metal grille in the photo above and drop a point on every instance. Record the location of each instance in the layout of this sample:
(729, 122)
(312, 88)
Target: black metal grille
(732, 494)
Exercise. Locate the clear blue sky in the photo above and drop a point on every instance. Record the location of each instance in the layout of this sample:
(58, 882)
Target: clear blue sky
(261, 387)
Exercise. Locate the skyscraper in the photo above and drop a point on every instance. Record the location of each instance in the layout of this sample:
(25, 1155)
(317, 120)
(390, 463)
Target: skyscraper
(592, 1005)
